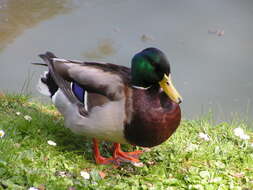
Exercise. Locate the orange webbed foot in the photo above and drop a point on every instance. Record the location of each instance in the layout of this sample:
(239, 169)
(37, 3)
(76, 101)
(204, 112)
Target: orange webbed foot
(118, 155)
(97, 156)
(121, 156)
(103, 160)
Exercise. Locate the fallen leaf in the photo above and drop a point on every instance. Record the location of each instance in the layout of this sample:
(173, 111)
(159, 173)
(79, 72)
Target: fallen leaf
(17, 145)
(238, 175)
(151, 163)
(42, 187)
(2, 95)
(146, 149)
(102, 174)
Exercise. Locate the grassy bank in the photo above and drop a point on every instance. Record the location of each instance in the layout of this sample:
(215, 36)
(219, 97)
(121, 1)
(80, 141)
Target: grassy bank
(200, 155)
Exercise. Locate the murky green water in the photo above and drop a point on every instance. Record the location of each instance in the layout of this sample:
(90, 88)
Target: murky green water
(18, 15)
(209, 44)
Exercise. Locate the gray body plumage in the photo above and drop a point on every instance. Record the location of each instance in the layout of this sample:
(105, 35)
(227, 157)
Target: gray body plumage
(102, 115)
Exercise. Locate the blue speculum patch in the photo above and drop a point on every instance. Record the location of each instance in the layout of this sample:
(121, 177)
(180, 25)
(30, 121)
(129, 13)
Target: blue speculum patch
(78, 91)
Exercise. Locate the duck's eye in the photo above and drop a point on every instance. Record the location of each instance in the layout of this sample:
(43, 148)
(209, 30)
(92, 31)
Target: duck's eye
(168, 83)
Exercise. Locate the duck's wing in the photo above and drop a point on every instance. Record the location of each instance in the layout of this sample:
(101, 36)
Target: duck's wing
(102, 78)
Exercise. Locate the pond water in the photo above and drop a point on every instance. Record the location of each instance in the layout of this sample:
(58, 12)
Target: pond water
(209, 44)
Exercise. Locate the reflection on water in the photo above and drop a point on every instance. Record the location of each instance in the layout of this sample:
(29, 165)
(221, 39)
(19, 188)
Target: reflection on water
(104, 48)
(18, 15)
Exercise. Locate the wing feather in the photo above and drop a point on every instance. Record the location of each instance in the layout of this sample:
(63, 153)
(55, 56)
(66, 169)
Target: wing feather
(101, 78)
(105, 79)
(64, 85)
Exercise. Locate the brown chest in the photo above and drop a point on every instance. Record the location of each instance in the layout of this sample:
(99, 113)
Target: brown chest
(155, 117)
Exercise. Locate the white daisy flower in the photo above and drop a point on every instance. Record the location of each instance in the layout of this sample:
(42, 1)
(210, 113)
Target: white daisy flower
(138, 164)
(62, 174)
(28, 118)
(215, 180)
(191, 147)
(204, 174)
(245, 137)
(204, 136)
(240, 133)
(18, 113)
(33, 188)
(85, 175)
(52, 143)
(2, 133)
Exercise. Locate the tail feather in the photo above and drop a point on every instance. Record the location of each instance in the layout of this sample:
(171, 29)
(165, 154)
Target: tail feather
(57, 79)
(50, 55)
(41, 64)
(42, 87)
(52, 81)
(47, 85)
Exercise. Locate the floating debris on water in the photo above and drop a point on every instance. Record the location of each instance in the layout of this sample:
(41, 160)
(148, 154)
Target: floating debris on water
(116, 29)
(217, 32)
(220, 33)
(146, 38)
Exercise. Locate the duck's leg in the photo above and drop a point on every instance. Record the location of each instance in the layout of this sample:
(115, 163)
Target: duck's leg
(98, 158)
(118, 154)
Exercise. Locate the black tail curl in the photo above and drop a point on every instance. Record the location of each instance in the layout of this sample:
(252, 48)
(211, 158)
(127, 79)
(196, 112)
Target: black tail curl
(51, 84)
(47, 79)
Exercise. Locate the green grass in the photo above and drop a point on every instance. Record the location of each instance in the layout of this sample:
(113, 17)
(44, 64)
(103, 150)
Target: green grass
(27, 160)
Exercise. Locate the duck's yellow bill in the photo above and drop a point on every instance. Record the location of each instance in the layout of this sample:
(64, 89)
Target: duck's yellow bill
(169, 89)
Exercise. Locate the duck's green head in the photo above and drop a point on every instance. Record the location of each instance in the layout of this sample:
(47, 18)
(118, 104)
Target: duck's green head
(151, 67)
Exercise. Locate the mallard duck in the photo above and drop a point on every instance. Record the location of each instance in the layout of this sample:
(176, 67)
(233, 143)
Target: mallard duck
(104, 101)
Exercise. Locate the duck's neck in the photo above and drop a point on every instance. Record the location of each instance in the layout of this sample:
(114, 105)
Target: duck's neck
(150, 90)
(141, 88)
(139, 83)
